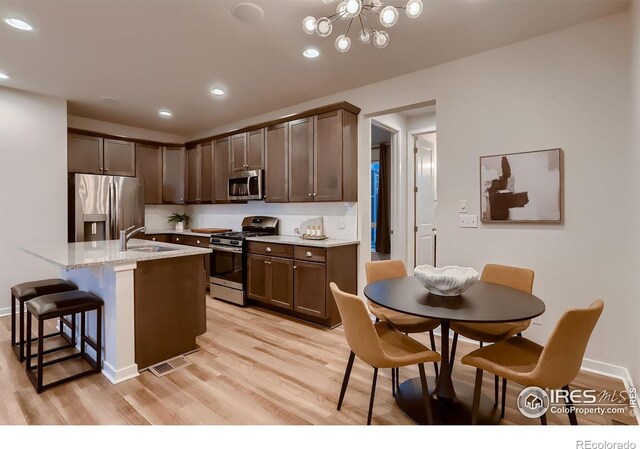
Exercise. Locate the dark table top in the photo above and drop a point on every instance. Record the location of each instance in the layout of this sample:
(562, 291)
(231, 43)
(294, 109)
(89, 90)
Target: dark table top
(483, 302)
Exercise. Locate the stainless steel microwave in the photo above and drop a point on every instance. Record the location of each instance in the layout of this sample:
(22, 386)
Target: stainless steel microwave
(245, 185)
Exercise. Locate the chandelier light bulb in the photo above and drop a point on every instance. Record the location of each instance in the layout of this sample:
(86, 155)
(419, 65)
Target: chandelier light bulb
(309, 25)
(364, 37)
(413, 8)
(376, 5)
(341, 10)
(328, 1)
(380, 39)
(324, 27)
(388, 16)
(343, 43)
(353, 7)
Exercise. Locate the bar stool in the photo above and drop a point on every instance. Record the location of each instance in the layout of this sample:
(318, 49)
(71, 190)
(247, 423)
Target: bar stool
(27, 291)
(58, 305)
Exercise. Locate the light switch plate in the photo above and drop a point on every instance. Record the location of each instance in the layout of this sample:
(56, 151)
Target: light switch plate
(468, 221)
(462, 206)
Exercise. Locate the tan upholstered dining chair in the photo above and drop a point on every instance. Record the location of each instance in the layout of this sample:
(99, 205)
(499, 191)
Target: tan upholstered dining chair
(518, 278)
(379, 345)
(527, 363)
(409, 324)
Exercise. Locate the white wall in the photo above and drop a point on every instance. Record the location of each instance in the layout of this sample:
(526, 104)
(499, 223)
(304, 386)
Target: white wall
(116, 129)
(33, 184)
(566, 89)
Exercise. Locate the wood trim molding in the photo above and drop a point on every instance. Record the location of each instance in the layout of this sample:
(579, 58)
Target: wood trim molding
(286, 118)
(86, 132)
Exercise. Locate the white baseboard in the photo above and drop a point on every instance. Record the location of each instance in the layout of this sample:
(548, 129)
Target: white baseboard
(5, 311)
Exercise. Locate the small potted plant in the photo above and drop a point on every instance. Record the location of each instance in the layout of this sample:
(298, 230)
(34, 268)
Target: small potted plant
(179, 220)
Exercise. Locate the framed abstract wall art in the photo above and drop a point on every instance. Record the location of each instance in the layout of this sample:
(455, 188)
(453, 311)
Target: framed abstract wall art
(521, 187)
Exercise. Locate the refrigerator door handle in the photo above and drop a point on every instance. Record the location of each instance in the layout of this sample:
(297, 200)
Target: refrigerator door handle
(112, 211)
(116, 209)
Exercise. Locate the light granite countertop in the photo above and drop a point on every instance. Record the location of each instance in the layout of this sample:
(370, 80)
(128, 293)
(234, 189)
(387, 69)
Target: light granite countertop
(297, 240)
(71, 256)
(174, 232)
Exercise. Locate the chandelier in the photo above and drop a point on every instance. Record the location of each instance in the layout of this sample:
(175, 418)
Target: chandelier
(361, 11)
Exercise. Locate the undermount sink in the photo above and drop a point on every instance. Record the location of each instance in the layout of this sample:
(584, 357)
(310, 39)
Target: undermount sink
(152, 249)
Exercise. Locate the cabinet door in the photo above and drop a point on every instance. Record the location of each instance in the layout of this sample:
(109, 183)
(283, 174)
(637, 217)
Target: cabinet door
(221, 151)
(173, 175)
(301, 160)
(277, 164)
(309, 288)
(238, 153)
(193, 174)
(149, 169)
(84, 154)
(257, 277)
(206, 173)
(280, 282)
(255, 150)
(119, 158)
(327, 180)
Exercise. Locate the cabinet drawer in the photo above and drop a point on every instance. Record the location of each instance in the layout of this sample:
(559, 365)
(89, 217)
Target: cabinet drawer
(157, 237)
(193, 240)
(309, 253)
(271, 249)
(179, 239)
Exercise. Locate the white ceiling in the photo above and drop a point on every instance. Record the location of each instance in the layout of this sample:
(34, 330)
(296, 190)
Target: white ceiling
(168, 54)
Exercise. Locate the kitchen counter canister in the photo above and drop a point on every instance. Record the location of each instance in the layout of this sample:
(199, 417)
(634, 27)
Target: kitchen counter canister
(299, 241)
(71, 256)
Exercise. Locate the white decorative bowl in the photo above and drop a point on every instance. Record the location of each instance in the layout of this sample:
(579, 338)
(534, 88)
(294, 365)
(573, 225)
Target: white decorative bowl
(446, 281)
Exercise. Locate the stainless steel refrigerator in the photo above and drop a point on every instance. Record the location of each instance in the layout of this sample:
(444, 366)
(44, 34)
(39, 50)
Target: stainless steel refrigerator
(100, 206)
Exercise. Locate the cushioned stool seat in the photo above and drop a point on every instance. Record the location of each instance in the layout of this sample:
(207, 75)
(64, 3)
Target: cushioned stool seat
(26, 291)
(55, 306)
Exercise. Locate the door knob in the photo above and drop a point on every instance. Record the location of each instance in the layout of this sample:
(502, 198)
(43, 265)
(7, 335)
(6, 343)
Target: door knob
(268, 249)
(309, 254)
(198, 242)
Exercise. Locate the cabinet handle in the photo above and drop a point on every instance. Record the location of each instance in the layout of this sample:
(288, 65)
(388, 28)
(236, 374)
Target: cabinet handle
(309, 254)
(153, 239)
(311, 194)
(106, 169)
(295, 266)
(177, 239)
(198, 242)
(314, 194)
(265, 262)
(268, 249)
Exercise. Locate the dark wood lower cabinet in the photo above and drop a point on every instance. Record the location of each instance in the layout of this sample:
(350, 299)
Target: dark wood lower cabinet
(297, 282)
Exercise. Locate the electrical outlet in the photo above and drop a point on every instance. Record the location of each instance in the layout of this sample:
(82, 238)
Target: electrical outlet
(462, 206)
(468, 221)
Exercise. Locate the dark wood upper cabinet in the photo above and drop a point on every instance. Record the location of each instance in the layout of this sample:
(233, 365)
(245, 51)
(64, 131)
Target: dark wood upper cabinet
(255, 150)
(309, 288)
(238, 153)
(206, 173)
(276, 164)
(85, 154)
(193, 174)
(301, 160)
(173, 175)
(119, 157)
(221, 166)
(327, 179)
(149, 169)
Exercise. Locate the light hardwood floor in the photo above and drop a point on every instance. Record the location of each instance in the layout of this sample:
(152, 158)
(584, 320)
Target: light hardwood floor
(252, 367)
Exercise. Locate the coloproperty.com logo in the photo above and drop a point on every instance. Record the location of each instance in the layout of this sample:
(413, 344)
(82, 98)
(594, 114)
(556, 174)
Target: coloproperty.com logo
(533, 402)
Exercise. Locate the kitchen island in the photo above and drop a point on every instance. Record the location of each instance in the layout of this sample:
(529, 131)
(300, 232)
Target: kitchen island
(153, 293)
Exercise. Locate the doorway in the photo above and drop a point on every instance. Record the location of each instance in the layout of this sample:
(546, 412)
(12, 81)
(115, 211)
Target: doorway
(424, 198)
(381, 170)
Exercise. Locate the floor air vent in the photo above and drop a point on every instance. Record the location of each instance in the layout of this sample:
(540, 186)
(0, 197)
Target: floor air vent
(169, 366)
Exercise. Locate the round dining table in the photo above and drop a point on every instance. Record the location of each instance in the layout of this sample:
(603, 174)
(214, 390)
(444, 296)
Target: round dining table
(483, 302)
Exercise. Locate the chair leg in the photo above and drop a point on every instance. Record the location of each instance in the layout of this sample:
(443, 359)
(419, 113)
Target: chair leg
(543, 419)
(99, 339)
(345, 380)
(433, 348)
(21, 330)
(40, 357)
(477, 392)
(504, 397)
(496, 389)
(572, 413)
(481, 344)
(519, 334)
(397, 378)
(373, 395)
(393, 382)
(454, 345)
(425, 394)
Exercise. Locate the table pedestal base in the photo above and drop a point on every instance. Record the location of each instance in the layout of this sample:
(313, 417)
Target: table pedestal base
(445, 411)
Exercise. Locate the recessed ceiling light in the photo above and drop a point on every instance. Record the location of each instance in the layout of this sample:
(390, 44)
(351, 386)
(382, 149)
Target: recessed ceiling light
(247, 12)
(108, 99)
(311, 53)
(217, 91)
(4, 76)
(18, 24)
(164, 113)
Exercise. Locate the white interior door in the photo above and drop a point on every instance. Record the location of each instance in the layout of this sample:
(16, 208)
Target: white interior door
(425, 199)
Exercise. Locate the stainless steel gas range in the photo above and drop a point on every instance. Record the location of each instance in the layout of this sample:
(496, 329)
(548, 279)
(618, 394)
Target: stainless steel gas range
(227, 275)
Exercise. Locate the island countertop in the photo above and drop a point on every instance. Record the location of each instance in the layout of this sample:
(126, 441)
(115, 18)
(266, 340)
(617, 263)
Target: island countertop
(71, 256)
(299, 241)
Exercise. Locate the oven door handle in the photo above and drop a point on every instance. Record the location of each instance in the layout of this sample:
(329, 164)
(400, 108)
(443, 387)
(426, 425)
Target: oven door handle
(226, 249)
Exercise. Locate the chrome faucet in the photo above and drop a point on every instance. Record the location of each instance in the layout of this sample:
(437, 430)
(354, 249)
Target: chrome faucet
(124, 237)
